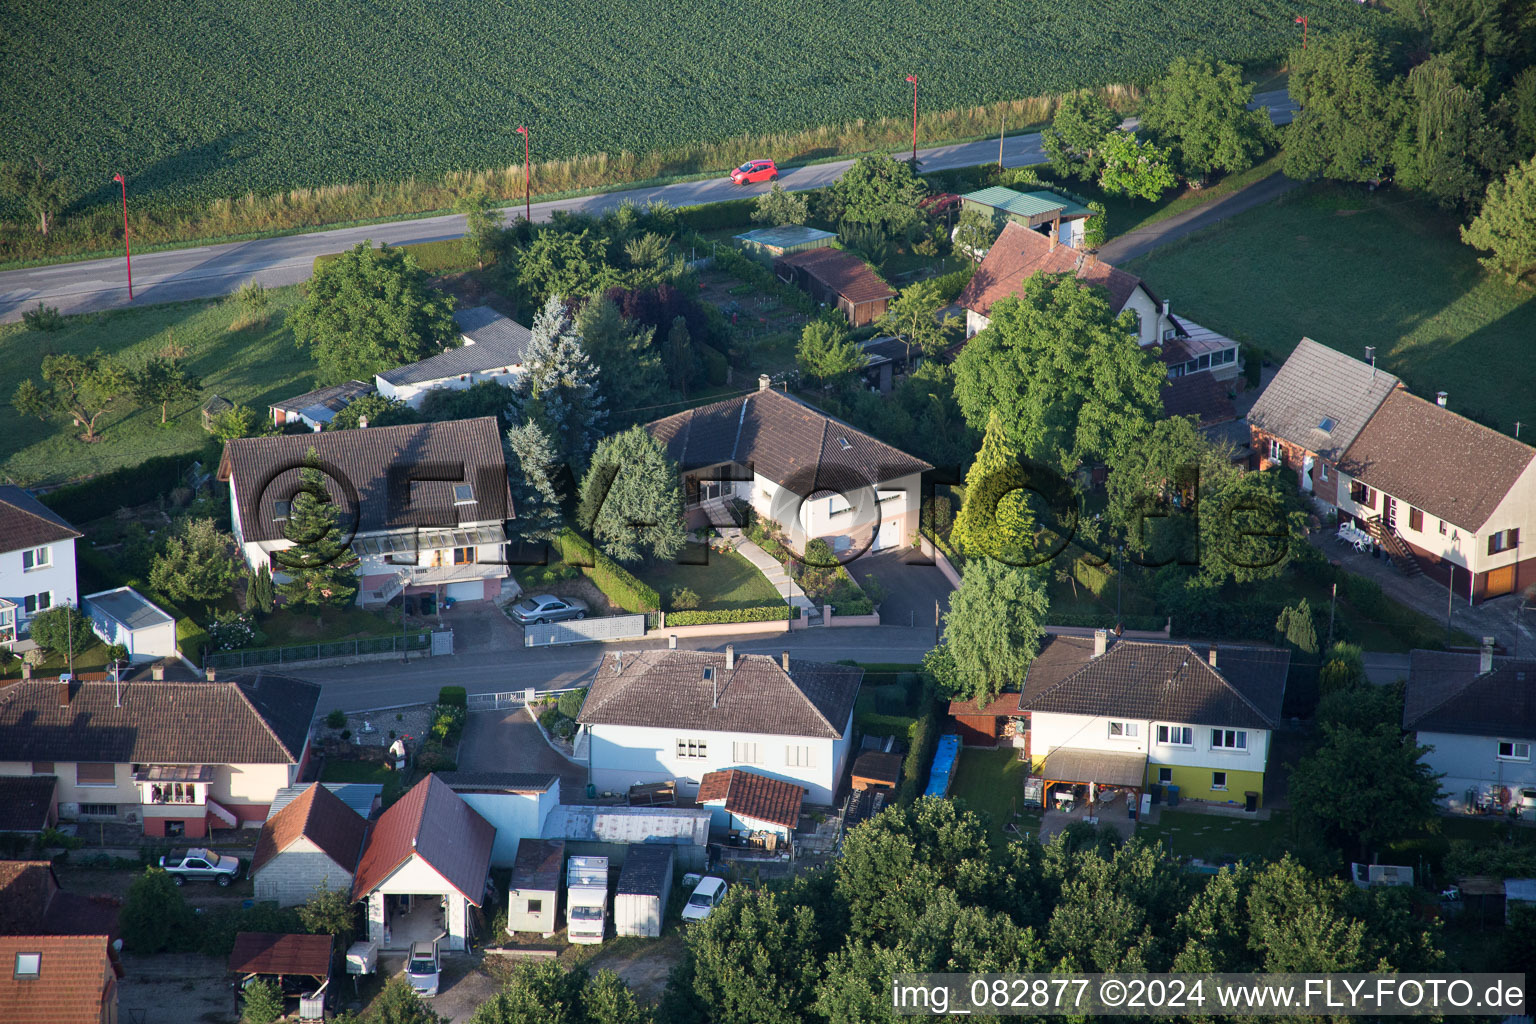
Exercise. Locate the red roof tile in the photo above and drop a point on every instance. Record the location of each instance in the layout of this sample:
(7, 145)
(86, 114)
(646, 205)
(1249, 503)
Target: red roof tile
(841, 271)
(276, 953)
(1199, 395)
(75, 977)
(320, 816)
(432, 822)
(1019, 254)
(750, 795)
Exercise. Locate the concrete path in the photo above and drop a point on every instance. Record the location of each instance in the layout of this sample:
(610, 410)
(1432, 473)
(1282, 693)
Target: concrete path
(1143, 240)
(777, 576)
(174, 275)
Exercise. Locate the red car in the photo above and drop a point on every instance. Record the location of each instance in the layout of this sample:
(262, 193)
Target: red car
(755, 171)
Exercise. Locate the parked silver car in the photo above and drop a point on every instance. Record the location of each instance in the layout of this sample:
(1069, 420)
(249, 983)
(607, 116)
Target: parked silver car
(200, 865)
(548, 608)
(423, 970)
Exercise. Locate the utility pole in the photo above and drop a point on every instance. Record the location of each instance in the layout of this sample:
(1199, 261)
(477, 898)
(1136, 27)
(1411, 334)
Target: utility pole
(1332, 604)
(913, 80)
(1002, 127)
(127, 250)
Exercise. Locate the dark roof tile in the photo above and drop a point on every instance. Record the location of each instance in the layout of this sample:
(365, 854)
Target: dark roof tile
(432, 822)
(539, 866)
(25, 801)
(1446, 693)
(842, 272)
(26, 522)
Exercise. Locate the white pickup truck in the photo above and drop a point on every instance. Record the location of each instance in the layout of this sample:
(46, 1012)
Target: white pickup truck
(586, 899)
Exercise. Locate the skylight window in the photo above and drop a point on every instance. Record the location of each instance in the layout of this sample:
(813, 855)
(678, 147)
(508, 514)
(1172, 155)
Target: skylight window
(463, 494)
(29, 965)
(1327, 425)
(709, 673)
(281, 510)
(843, 441)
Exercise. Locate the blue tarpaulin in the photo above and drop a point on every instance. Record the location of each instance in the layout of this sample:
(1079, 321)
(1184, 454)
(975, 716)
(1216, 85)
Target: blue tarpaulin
(943, 765)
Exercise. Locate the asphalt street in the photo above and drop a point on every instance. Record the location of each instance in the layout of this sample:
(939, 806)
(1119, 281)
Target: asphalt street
(174, 275)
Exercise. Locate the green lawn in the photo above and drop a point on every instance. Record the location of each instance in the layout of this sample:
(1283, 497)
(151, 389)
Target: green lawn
(365, 772)
(1126, 215)
(252, 367)
(1350, 268)
(307, 626)
(992, 781)
(1211, 836)
(728, 581)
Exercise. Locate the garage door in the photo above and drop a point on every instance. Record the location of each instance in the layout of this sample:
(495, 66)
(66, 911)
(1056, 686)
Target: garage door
(889, 535)
(1500, 581)
(474, 591)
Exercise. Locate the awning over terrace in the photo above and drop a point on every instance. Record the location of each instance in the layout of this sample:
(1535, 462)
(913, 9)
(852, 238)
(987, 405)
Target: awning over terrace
(1104, 767)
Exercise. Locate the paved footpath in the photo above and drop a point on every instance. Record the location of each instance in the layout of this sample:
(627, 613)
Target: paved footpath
(201, 272)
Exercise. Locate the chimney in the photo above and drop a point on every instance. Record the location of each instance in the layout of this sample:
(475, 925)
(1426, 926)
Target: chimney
(1370, 355)
(784, 660)
(618, 663)
(1052, 236)
(1165, 308)
(1211, 657)
(362, 423)
(1440, 397)
(63, 693)
(212, 674)
(730, 657)
(1100, 642)
(764, 382)
(671, 641)
(1485, 656)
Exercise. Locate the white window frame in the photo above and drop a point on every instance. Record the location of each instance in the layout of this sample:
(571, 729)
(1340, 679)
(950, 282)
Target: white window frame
(1128, 730)
(1515, 747)
(1229, 739)
(693, 750)
(833, 510)
(1276, 450)
(1166, 734)
(746, 752)
(800, 756)
(42, 558)
(1163, 771)
(1219, 787)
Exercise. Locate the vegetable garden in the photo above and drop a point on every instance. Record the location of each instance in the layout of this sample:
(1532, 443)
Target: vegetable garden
(203, 101)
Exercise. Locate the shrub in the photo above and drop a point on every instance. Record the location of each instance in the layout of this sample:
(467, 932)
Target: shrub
(336, 719)
(570, 703)
(43, 318)
(619, 584)
(764, 613)
(127, 486)
(453, 697)
(684, 599)
(155, 913)
(448, 722)
(1096, 230)
(231, 631)
(952, 284)
(716, 366)
(433, 758)
(251, 300)
(261, 1002)
(921, 742)
(877, 724)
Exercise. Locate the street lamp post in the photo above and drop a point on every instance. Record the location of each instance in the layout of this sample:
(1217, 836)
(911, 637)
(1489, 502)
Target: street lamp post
(1302, 21)
(913, 80)
(127, 253)
(527, 177)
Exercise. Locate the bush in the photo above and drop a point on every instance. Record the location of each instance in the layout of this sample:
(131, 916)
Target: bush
(433, 758)
(261, 1002)
(922, 741)
(684, 599)
(127, 486)
(1096, 230)
(953, 283)
(232, 631)
(336, 719)
(570, 703)
(43, 318)
(716, 366)
(763, 613)
(453, 697)
(448, 722)
(1253, 364)
(733, 213)
(155, 914)
(618, 583)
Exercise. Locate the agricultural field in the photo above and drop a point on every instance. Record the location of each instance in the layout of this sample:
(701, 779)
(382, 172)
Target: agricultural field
(202, 100)
(253, 367)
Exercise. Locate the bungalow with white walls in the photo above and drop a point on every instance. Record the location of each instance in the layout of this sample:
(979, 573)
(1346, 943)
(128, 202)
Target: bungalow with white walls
(493, 349)
(37, 562)
(814, 475)
(425, 504)
(312, 841)
(676, 716)
(315, 409)
(1477, 714)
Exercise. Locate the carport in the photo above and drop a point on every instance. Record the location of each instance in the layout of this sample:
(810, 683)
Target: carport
(299, 964)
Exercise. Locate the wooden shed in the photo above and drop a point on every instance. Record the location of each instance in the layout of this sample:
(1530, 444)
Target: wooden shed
(983, 726)
(838, 278)
(876, 769)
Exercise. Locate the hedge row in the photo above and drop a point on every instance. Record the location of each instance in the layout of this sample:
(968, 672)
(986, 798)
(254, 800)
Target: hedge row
(129, 485)
(440, 257)
(876, 724)
(1095, 577)
(762, 613)
(924, 739)
(619, 584)
(953, 283)
(1106, 620)
(733, 213)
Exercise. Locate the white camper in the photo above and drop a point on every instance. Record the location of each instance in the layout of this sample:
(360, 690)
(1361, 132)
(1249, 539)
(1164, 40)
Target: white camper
(586, 899)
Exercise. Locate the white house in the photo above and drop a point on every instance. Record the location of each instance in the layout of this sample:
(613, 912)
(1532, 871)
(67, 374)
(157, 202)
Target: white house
(493, 349)
(182, 757)
(37, 561)
(660, 716)
(425, 504)
(1444, 495)
(124, 616)
(1477, 713)
(814, 475)
(515, 803)
(315, 409)
(426, 861)
(1130, 714)
(313, 840)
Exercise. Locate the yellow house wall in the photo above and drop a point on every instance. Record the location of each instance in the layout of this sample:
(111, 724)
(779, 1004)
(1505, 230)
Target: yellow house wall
(1195, 784)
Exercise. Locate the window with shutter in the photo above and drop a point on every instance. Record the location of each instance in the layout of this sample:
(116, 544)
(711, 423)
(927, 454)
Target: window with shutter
(42, 767)
(1415, 519)
(88, 773)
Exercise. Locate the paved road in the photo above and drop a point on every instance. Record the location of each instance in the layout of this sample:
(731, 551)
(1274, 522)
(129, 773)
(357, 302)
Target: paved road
(202, 272)
(1142, 241)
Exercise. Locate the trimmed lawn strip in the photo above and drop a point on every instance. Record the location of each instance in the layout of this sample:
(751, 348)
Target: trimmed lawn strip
(728, 582)
(992, 781)
(1212, 836)
(287, 627)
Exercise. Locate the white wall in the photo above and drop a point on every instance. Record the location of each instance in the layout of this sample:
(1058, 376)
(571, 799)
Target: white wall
(1049, 731)
(297, 872)
(123, 792)
(623, 755)
(145, 644)
(417, 877)
(57, 578)
(1472, 762)
(844, 530)
(517, 816)
(414, 394)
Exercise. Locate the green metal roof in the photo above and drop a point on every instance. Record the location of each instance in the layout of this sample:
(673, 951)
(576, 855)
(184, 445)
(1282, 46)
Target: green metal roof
(785, 236)
(1070, 208)
(1017, 203)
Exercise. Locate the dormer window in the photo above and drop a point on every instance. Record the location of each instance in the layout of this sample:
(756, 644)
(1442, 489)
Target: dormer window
(281, 511)
(29, 965)
(463, 494)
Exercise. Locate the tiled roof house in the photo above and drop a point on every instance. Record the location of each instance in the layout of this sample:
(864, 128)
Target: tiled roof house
(314, 840)
(37, 562)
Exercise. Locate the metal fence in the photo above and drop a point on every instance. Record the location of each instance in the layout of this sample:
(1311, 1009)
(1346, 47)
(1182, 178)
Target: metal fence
(509, 699)
(255, 656)
(581, 631)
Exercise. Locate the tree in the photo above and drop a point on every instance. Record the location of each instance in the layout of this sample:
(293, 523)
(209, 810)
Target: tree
(482, 224)
(1297, 629)
(486, 398)
(1065, 375)
(1096, 227)
(995, 519)
(155, 914)
(259, 593)
(560, 386)
(320, 565)
(564, 262)
(777, 207)
(261, 1002)
(62, 628)
(914, 318)
(368, 310)
(239, 421)
(1506, 227)
(1135, 169)
(1199, 112)
(38, 187)
(677, 356)
(1150, 486)
(629, 368)
(83, 388)
(200, 563)
(993, 625)
(1250, 526)
(399, 1004)
(826, 352)
(532, 470)
(1075, 140)
(331, 912)
(377, 409)
(1343, 670)
(548, 993)
(1348, 110)
(631, 499)
(1445, 146)
(160, 381)
(974, 233)
(877, 189)
(753, 959)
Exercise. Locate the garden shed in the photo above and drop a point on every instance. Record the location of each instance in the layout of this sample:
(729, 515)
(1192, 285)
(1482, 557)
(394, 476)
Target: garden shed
(645, 885)
(215, 407)
(838, 278)
(748, 803)
(1048, 212)
(124, 616)
(533, 901)
(299, 964)
(768, 244)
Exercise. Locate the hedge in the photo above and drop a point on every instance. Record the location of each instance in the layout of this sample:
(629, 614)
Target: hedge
(1095, 577)
(876, 724)
(618, 583)
(440, 257)
(733, 213)
(191, 639)
(1106, 620)
(762, 613)
(953, 283)
(716, 366)
(453, 696)
(128, 486)
(914, 770)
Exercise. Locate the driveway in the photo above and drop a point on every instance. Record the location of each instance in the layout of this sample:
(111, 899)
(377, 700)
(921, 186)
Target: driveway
(511, 741)
(913, 590)
(1142, 241)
